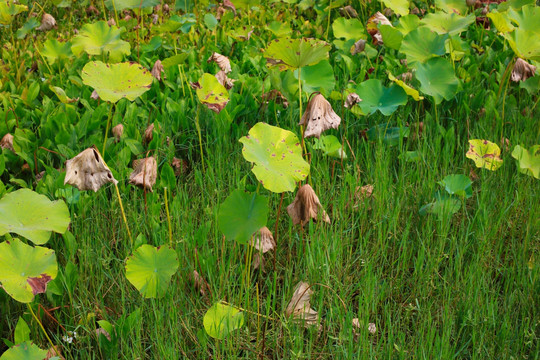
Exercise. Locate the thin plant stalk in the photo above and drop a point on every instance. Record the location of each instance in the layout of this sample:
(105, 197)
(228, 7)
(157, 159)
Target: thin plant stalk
(200, 137)
(123, 214)
(42, 329)
(107, 130)
(276, 229)
(168, 217)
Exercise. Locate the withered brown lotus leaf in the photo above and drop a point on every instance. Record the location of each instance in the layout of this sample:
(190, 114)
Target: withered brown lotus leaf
(180, 166)
(299, 306)
(7, 142)
(522, 70)
(157, 69)
(263, 240)
(144, 173)
(117, 131)
(47, 22)
(358, 47)
(229, 5)
(200, 283)
(149, 134)
(222, 61)
(228, 83)
(352, 99)
(306, 206)
(276, 96)
(319, 116)
(88, 171)
(372, 28)
(348, 11)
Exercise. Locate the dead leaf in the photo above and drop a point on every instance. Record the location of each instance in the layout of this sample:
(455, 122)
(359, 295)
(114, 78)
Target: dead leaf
(358, 47)
(52, 353)
(263, 240)
(94, 95)
(117, 131)
(157, 70)
(352, 99)
(522, 70)
(348, 11)
(276, 96)
(319, 116)
(111, 22)
(39, 283)
(228, 83)
(306, 206)
(299, 306)
(372, 29)
(180, 166)
(145, 173)
(200, 283)
(88, 171)
(102, 331)
(222, 61)
(229, 5)
(148, 134)
(7, 142)
(258, 261)
(47, 22)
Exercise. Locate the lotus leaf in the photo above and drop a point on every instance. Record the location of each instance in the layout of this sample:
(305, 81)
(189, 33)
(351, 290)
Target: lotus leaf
(528, 161)
(25, 270)
(277, 155)
(296, 53)
(220, 320)
(211, 93)
(330, 146)
(242, 214)
(437, 79)
(408, 89)
(407, 23)
(24, 351)
(99, 38)
(8, 10)
(485, 154)
(120, 5)
(422, 44)
(32, 215)
(318, 77)
(54, 50)
(387, 134)
(391, 36)
(348, 29)
(457, 184)
(113, 82)
(400, 7)
(150, 269)
(375, 97)
(447, 23)
(452, 6)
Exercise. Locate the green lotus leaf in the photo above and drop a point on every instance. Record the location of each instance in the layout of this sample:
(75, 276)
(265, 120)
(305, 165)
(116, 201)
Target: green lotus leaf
(452, 6)
(501, 21)
(28, 26)
(8, 10)
(120, 5)
(54, 50)
(296, 53)
(400, 7)
(348, 29)
(242, 214)
(437, 79)
(62, 3)
(330, 146)
(457, 184)
(422, 44)
(375, 97)
(24, 351)
(526, 18)
(277, 155)
(528, 161)
(279, 29)
(211, 93)
(514, 4)
(113, 82)
(447, 23)
(444, 205)
(318, 77)
(99, 38)
(150, 269)
(32, 215)
(25, 271)
(485, 154)
(220, 320)
(407, 23)
(525, 43)
(408, 89)
(174, 60)
(387, 134)
(392, 37)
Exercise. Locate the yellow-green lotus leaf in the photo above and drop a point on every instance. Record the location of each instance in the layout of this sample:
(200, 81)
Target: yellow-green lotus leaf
(485, 154)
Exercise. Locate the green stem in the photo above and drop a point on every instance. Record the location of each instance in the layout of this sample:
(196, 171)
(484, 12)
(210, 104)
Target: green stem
(123, 214)
(329, 17)
(42, 329)
(107, 130)
(200, 137)
(168, 217)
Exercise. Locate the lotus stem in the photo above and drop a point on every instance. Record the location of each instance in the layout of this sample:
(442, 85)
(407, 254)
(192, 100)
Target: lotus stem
(107, 130)
(123, 214)
(168, 217)
(248, 311)
(42, 328)
(276, 229)
(200, 137)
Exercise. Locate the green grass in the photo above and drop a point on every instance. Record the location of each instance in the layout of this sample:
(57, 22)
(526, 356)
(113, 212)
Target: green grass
(458, 287)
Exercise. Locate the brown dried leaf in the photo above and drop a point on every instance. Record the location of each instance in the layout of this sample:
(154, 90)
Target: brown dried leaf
(180, 166)
(88, 171)
(306, 206)
(94, 95)
(148, 134)
(358, 47)
(102, 331)
(47, 22)
(229, 5)
(39, 283)
(372, 29)
(157, 69)
(258, 261)
(352, 99)
(200, 283)
(7, 142)
(522, 70)
(348, 11)
(111, 22)
(222, 61)
(319, 116)
(145, 173)
(263, 240)
(299, 306)
(276, 96)
(117, 131)
(228, 83)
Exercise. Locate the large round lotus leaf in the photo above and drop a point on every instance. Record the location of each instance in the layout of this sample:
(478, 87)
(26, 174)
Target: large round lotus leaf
(54, 50)
(242, 214)
(526, 18)
(296, 53)
(375, 97)
(485, 154)
(116, 81)
(457, 184)
(330, 146)
(24, 351)
(120, 5)
(100, 38)
(408, 89)
(501, 21)
(437, 79)
(220, 320)
(400, 7)
(318, 77)
(211, 93)
(277, 155)
(348, 29)
(451, 23)
(26, 270)
(8, 10)
(452, 6)
(150, 269)
(407, 23)
(392, 37)
(422, 44)
(32, 215)
(528, 161)
(526, 44)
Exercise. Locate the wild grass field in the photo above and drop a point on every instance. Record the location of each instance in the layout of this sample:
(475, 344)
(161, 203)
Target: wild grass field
(430, 185)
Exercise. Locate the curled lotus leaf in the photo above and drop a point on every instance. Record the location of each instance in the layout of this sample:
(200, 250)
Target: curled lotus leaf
(485, 154)
(212, 93)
